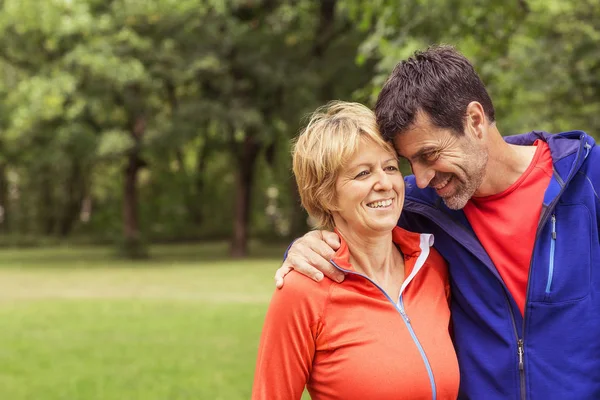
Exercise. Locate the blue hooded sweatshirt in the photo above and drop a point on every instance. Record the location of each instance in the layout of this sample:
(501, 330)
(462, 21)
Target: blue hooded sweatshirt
(553, 352)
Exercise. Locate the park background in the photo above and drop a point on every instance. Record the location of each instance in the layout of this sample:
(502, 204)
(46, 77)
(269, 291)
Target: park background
(146, 194)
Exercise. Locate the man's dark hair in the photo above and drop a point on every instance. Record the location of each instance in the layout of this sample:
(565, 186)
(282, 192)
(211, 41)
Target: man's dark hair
(439, 81)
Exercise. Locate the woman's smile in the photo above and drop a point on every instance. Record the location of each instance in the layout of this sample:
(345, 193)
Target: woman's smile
(380, 204)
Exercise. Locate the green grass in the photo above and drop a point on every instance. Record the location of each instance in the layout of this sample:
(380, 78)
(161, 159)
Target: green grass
(79, 324)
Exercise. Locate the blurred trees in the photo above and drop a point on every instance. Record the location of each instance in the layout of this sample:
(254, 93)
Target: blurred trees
(538, 58)
(129, 121)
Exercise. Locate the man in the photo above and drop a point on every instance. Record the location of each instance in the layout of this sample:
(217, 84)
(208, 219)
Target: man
(515, 218)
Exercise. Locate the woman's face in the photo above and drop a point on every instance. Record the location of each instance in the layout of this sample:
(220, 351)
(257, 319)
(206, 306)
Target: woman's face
(370, 191)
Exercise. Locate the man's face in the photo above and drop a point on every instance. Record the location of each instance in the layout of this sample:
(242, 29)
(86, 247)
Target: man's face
(453, 165)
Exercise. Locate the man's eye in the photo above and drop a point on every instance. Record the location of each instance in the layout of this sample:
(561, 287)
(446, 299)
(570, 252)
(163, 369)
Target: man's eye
(361, 174)
(431, 156)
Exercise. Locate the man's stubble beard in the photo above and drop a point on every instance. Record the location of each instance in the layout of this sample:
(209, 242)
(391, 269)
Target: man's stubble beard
(465, 190)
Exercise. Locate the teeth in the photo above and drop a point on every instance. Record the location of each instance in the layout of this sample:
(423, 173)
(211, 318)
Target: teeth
(382, 203)
(441, 186)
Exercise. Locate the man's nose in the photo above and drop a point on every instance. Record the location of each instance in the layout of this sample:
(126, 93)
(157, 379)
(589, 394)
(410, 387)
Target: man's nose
(423, 175)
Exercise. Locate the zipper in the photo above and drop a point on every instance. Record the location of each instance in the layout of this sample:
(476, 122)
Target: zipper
(399, 306)
(421, 350)
(521, 354)
(546, 214)
(551, 260)
(521, 340)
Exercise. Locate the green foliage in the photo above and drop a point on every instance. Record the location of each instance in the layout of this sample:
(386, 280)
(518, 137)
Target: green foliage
(538, 58)
(200, 93)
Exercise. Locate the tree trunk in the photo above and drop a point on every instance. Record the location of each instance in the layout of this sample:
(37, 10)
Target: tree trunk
(244, 181)
(199, 183)
(75, 189)
(47, 215)
(133, 246)
(130, 198)
(324, 35)
(194, 190)
(4, 224)
(324, 32)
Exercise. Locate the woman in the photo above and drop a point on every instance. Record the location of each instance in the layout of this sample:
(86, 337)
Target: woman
(383, 332)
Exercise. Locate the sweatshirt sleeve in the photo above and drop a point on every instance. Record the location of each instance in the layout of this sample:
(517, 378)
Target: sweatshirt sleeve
(287, 344)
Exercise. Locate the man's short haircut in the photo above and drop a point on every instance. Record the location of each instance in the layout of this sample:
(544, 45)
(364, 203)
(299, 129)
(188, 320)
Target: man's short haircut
(331, 138)
(439, 81)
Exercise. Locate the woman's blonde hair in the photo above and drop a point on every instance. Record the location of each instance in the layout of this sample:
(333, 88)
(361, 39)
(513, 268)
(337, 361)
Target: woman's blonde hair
(324, 147)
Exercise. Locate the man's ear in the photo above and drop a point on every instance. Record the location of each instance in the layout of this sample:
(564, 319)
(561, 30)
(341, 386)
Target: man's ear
(475, 120)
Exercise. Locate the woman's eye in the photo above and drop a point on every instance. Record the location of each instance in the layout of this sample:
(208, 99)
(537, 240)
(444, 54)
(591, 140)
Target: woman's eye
(361, 174)
(391, 168)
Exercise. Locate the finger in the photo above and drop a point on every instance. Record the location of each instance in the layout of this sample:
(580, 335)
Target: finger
(306, 267)
(333, 273)
(280, 275)
(331, 238)
(324, 266)
(312, 234)
(317, 254)
(309, 258)
(322, 249)
(317, 244)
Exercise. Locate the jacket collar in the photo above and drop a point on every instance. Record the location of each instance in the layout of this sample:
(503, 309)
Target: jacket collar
(408, 242)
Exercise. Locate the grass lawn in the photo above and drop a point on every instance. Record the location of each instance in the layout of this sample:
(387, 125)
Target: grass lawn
(78, 324)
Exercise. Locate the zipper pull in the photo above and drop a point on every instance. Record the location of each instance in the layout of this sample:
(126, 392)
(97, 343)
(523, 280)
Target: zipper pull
(521, 352)
(553, 226)
(405, 316)
(401, 308)
(587, 149)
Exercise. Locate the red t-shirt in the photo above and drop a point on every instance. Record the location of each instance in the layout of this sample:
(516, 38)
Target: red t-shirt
(505, 223)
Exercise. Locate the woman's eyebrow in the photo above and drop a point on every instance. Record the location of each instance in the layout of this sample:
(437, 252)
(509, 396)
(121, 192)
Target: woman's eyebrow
(359, 165)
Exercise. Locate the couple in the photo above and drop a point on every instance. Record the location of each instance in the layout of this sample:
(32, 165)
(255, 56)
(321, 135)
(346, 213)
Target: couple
(515, 219)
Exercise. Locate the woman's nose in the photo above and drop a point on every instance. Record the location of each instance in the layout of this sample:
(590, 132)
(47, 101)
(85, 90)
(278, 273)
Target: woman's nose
(383, 181)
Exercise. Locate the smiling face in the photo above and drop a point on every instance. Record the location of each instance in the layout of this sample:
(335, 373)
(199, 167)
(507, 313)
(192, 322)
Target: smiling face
(369, 191)
(453, 165)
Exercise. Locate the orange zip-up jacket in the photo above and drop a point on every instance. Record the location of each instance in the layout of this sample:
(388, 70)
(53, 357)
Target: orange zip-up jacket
(351, 341)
